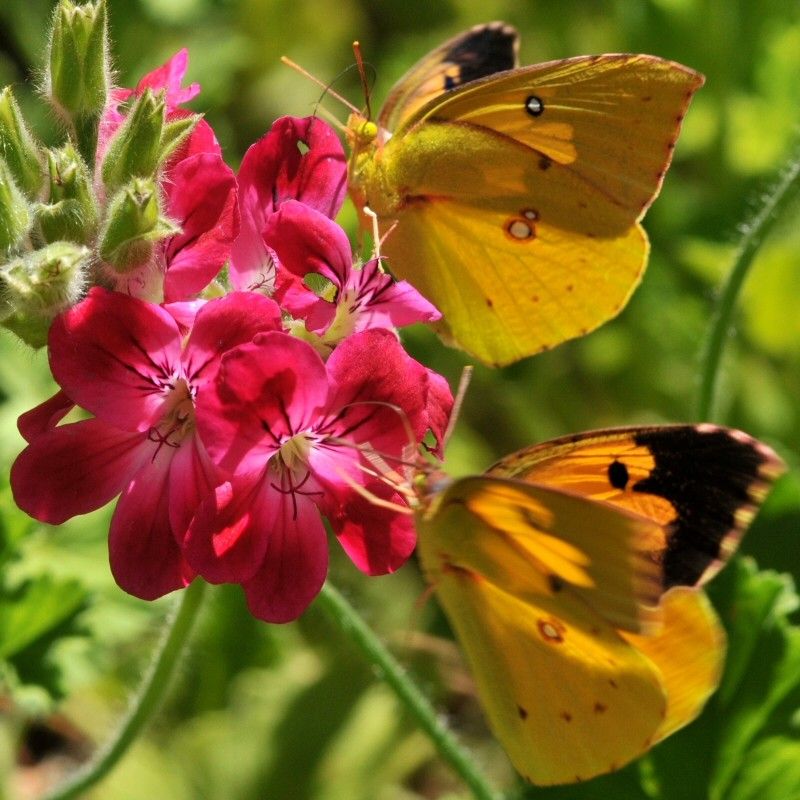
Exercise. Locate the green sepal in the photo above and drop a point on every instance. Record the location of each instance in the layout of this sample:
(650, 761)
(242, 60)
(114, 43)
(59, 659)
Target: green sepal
(78, 77)
(71, 213)
(38, 286)
(19, 147)
(135, 222)
(15, 212)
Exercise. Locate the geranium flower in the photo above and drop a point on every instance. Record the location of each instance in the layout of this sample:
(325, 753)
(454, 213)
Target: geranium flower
(307, 242)
(127, 362)
(168, 77)
(298, 159)
(200, 193)
(293, 432)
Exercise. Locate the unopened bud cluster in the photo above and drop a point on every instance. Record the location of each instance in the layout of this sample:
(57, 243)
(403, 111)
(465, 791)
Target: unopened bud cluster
(70, 216)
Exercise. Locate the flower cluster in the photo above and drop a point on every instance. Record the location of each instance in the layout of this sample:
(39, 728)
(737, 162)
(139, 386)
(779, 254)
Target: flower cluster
(228, 370)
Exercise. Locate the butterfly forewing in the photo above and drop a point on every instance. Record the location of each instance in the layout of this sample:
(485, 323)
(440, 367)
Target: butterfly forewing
(481, 51)
(613, 119)
(702, 482)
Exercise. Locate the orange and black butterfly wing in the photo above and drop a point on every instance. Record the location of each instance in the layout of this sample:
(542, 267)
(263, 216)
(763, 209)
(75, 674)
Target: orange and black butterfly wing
(702, 483)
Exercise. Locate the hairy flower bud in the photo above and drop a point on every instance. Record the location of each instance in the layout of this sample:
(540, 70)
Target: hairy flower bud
(71, 211)
(18, 147)
(38, 286)
(135, 222)
(144, 141)
(15, 213)
(77, 80)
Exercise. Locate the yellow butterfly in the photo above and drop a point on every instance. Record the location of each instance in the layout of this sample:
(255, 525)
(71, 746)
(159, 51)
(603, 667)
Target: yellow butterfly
(512, 196)
(569, 573)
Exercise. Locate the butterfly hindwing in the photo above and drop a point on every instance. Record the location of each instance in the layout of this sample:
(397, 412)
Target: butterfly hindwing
(565, 693)
(521, 301)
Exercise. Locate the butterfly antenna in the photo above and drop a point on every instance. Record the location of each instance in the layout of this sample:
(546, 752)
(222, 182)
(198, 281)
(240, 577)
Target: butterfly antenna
(362, 74)
(463, 385)
(371, 497)
(326, 86)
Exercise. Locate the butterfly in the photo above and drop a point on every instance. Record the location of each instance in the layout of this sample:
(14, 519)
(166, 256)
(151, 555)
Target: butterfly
(512, 196)
(570, 573)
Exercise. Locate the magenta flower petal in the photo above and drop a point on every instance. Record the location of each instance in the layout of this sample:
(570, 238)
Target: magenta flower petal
(266, 391)
(146, 561)
(76, 468)
(384, 302)
(202, 200)
(169, 76)
(377, 391)
(116, 357)
(439, 407)
(45, 416)
(377, 539)
(295, 563)
(192, 477)
(275, 170)
(307, 241)
(228, 536)
(201, 140)
(221, 325)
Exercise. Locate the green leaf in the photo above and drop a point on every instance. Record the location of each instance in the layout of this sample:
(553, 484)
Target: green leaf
(770, 771)
(35, 608)
(764, 669)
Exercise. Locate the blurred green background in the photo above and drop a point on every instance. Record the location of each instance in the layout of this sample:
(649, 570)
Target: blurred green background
(292, 711)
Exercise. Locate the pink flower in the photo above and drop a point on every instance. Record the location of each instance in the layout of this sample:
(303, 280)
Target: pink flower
(128, 363)
(307, 242)
(298, 159)
(201, 198)
(291, 430)
(167, 77)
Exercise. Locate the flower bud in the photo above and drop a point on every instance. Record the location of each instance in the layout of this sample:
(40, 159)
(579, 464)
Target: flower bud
(145, 140)
(18, 146)
(38, 286)
(135, 222)
(77, 80)
(15, 213)
(71, 213)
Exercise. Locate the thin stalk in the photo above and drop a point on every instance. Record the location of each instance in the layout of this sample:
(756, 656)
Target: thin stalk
(775, 203)
(147, 701)
(406, 690)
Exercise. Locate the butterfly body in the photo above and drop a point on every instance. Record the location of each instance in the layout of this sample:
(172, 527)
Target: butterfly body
(570, 573)
(511, 196)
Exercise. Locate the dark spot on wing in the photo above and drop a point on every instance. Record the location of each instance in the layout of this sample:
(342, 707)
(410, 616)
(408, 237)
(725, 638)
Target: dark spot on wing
(523, 713)
(618, 475)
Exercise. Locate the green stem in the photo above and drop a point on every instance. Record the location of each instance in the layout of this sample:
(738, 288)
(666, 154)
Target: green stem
(148, 700)
(406, 690)
(775, 203)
